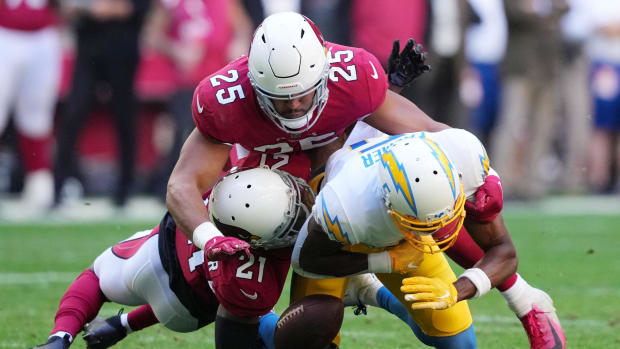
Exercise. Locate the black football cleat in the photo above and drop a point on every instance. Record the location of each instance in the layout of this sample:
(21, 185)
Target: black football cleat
(55, 342)
(100, 333)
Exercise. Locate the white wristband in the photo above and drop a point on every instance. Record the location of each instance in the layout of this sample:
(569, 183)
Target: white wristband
(480, 279)
(379, 262)
(203, 233)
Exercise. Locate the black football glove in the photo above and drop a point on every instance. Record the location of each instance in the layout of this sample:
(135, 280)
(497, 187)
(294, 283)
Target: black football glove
(405, 66)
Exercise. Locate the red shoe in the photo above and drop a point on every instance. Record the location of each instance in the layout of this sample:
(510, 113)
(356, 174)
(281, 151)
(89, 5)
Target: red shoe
(543, 329)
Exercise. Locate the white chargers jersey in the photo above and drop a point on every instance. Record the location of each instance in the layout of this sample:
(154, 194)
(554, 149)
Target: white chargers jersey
(350, 206)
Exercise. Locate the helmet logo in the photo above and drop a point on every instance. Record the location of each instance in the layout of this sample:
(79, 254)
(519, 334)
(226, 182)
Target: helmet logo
(484, 161)
(333, 225)
(399, 178)
(316, 30)
(445, 164)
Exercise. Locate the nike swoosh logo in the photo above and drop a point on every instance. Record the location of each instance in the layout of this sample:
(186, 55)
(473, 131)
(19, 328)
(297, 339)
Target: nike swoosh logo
(374, 74)
(412, 266)
(252, 296)
(200, 108)
(556, 338)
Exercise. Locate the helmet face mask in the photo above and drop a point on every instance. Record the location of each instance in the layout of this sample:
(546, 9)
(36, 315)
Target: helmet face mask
(261, 206)
(434, 236)
(423, 193)
(288, 60)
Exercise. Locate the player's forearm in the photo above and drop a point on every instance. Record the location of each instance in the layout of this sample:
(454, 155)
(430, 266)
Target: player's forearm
(499, 260)
(184, 202)
(336, 265)
(497, 264)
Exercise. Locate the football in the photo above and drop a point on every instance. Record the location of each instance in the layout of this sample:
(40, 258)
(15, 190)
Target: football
(310, 323)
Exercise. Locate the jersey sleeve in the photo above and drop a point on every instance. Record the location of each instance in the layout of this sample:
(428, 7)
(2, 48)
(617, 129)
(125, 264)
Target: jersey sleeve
(203, 113)
(376, 79)
(250, 286)
(329, 213)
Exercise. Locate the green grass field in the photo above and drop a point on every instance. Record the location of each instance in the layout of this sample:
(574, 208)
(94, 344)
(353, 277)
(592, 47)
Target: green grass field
(574, 258)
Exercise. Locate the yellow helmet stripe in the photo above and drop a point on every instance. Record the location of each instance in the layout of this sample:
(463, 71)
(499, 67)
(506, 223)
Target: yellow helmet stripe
(446, 165)
(399, 178)
(333, 225)
(484, 161)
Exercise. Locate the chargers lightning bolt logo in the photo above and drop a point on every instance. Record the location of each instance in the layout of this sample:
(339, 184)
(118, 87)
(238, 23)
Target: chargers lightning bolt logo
(333, 225)
(399, 178)
(484, 161)
(444, 162)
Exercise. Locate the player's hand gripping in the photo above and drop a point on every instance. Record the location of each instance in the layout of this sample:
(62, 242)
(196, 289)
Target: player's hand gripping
(489, 201)
(429, 293)
(405, 257)
(405, 66)
(221, 247)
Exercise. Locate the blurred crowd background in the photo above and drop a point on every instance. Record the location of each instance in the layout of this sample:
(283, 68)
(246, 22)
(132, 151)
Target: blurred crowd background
(95, 95)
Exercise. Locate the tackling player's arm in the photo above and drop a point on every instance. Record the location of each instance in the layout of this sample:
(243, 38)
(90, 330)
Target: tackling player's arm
(399, 115)
(200, 162)
(316, 255)
(500, 256)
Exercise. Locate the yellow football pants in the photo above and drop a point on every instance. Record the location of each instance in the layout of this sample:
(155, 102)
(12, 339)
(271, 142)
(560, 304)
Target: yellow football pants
(438, 323)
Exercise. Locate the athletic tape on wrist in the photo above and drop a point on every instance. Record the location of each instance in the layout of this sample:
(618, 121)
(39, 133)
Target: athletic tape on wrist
(379, 262)
(203, 233)
(480, 279)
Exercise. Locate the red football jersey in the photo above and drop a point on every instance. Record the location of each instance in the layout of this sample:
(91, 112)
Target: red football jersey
(27, 14)
(244, 286)
(225, 106)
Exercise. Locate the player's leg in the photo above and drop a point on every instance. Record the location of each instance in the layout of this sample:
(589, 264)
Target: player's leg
(532, 306)
(76, 112)
(301, 287)
(605, 113)
(142, 280)
(79, 305)
(267, 328)
(11, 62)
(34, 115)
(449, 328)
(121, 72)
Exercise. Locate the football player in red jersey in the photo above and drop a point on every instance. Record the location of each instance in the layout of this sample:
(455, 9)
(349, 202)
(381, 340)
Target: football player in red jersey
(181, 286)
(294, 92)
(29, 80)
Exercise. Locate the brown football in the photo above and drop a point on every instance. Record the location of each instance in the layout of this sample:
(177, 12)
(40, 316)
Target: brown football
(310, 323)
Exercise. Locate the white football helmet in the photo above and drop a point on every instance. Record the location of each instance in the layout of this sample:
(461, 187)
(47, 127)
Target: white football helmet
(261, 206)
(423, 192)
(288, 60)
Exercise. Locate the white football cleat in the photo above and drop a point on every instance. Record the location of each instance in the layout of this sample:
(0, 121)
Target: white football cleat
(362, 289)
